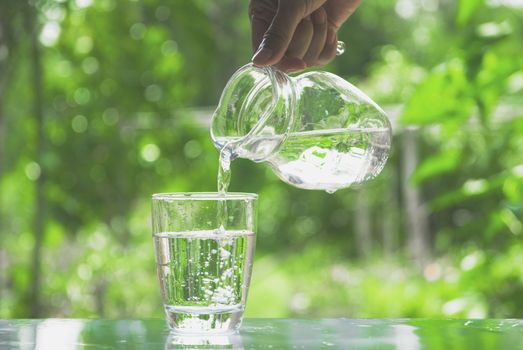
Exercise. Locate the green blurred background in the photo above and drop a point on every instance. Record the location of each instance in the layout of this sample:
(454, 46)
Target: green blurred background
(104, 102)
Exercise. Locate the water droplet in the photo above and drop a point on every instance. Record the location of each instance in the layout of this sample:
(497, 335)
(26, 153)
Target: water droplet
(340, 48)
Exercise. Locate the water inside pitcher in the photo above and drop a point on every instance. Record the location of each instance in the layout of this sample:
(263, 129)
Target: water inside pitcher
(315, 130)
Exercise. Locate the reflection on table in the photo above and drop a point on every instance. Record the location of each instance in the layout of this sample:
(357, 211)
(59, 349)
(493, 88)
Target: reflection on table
(404, 334)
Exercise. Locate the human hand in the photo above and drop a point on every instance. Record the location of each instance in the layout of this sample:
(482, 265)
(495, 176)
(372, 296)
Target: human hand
(296, 34)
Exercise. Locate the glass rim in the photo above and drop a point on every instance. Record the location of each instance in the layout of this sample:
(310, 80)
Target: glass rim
(179, 196)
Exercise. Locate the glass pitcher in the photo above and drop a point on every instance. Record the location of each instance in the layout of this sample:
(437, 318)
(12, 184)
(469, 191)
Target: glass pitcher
(316, 130)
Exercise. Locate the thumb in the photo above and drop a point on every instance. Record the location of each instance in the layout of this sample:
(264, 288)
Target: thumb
(277, 38)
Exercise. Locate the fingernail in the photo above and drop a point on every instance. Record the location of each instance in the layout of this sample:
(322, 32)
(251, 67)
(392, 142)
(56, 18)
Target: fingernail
(262, 55)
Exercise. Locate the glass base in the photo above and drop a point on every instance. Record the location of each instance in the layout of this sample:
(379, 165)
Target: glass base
(198, 320)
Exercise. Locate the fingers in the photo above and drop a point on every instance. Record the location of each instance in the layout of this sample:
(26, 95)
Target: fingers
(301, 39)
(261, 14)
(292, 61)
(295, 34)
(339, 10)
(319, 37)
(276, 39)
(291, 64)
(329, 51)
(258, 27)
(308, 49)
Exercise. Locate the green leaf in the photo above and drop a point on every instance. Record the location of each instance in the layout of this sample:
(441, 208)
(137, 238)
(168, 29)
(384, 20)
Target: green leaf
(444, 162)
(444, 94)
(466, 10)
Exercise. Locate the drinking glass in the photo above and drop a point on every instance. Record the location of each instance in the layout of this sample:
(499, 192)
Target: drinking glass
(229, 341)
(204, 245)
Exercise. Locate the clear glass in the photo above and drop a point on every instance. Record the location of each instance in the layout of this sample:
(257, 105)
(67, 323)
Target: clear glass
(232, 341)
(340, 136)
(316, 130)
(257, 103)
(204, 244)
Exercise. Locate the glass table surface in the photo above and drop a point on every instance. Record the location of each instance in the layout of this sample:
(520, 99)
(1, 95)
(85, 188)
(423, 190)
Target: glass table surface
(408, 334)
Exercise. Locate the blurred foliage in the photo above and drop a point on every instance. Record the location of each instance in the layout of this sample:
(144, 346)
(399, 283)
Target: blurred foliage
(123, 84)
